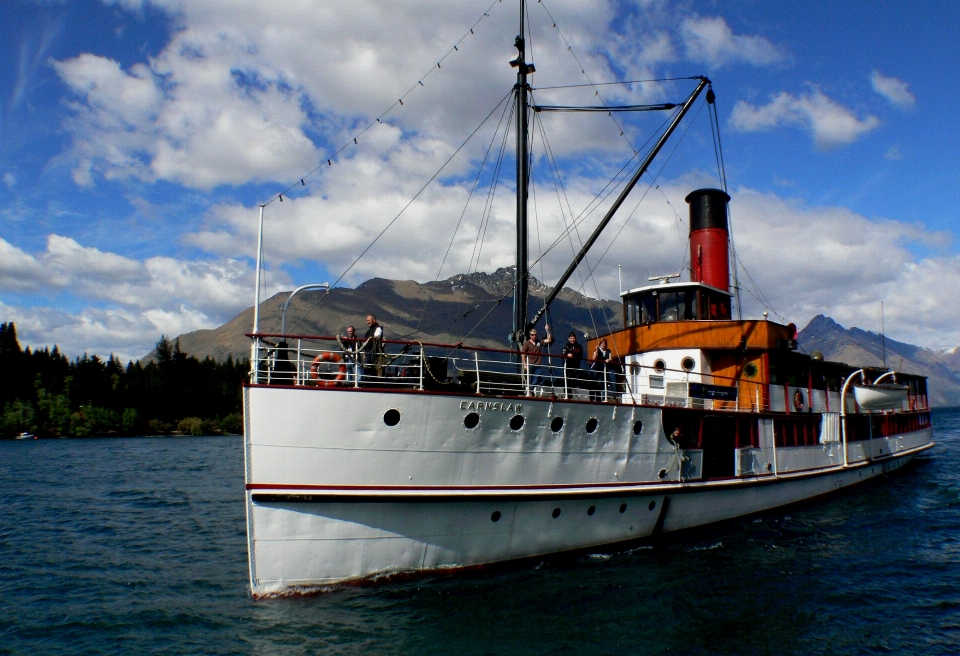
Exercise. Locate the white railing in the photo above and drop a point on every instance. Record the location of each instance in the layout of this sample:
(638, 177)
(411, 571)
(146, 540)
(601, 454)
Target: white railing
(300, 360)
(332, 362)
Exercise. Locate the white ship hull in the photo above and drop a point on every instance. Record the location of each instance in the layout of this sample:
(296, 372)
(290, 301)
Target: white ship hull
(436, 495)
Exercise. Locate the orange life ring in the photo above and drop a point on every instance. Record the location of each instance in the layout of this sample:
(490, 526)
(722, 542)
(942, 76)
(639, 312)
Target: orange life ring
(327, 356)
(798, 401)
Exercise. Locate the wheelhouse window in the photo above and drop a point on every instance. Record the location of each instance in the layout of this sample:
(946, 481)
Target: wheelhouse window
(675, 305)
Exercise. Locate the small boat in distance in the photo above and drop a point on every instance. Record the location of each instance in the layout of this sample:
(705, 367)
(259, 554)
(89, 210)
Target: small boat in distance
(26, 436)
(368, 458)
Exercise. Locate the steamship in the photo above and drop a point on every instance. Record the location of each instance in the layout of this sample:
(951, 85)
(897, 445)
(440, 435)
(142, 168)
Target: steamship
(441, 457)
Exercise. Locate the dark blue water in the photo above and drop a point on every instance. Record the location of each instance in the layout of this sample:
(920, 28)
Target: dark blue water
(137, 546)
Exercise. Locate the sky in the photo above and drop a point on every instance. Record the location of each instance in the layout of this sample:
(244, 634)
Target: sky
(139, 138)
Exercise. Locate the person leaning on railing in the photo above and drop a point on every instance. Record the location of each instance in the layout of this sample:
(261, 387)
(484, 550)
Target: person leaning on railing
(603, 367)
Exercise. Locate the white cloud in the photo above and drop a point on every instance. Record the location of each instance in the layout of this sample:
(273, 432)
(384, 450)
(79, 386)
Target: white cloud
(830, 124)
(241, 95)
(127, 334)
(711, 40)
(894, 90)
(138, 300)
(828, 260)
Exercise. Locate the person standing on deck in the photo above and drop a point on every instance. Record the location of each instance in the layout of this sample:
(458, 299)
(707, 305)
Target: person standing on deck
(532, 358)
(373, 346)
(603, 367)
(572, 355)
(352, 355)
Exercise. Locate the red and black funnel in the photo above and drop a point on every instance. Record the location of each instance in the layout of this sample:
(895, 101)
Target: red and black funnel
(709, 238)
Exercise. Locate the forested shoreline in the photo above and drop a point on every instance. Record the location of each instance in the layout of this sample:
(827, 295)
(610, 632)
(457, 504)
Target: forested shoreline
(45, 393)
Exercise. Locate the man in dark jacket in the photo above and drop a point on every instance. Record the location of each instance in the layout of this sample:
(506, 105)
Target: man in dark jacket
(572, 354)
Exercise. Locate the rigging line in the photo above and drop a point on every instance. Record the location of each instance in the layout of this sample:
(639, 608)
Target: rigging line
(606, 84)
(487, 213)
(491, 193)
(733, 250)
(650, 186)
(409, 203)
(609, 193)
(584, 72)
(473, 189)
(484, 222)
(716, 152)
(352, 141)
(442, 321)
(561, 189)
(763, 300)
(605, 108)
(610, 187)
(723, 168)
(536, 215)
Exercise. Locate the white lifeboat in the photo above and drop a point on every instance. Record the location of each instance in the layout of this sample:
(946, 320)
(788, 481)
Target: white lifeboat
(882, 396)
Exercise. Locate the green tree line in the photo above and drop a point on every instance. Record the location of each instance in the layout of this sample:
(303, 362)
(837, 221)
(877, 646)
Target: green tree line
(45, 393)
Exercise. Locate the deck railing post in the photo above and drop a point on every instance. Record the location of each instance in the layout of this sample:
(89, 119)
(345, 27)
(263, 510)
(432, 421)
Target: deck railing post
(605, 384)
(422, 361)
(476, 361)
(299, 364)
(566, 386)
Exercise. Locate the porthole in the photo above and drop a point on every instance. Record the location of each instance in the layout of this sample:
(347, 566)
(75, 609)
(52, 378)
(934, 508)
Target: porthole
(623, 508)
(472, 420)
(557, 424)
(659, 366)
(591, 510)
(662, 473)
(688, 363)
(637, 427)
(495, 517)
(750, 370)
(556, 513)
(592, 424)
(653, 504)
(391, 417)
(516, 422)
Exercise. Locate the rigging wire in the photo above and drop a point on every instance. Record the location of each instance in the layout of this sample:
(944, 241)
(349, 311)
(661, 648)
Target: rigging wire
(473, 189)
(407, 206)
(352, 141)
(561, 189)
(650, 186)
(605, 84)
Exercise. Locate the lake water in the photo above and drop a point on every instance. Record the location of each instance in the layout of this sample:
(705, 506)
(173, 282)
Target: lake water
(137, 546)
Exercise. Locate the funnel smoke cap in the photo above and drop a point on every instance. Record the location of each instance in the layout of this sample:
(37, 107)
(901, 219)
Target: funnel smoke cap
(708, 209)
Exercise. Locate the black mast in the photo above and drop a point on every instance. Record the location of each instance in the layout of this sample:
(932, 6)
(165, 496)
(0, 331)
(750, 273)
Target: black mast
(523, 178)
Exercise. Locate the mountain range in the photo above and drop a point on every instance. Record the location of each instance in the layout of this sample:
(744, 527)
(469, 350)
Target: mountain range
(477, 308)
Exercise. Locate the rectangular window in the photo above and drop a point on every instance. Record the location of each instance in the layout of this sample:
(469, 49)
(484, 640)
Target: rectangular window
(648, 309)
(668, 306)
(656, 382)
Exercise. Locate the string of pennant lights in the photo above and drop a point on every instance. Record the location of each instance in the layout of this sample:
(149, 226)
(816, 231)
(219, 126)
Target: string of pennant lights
(398, 103)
